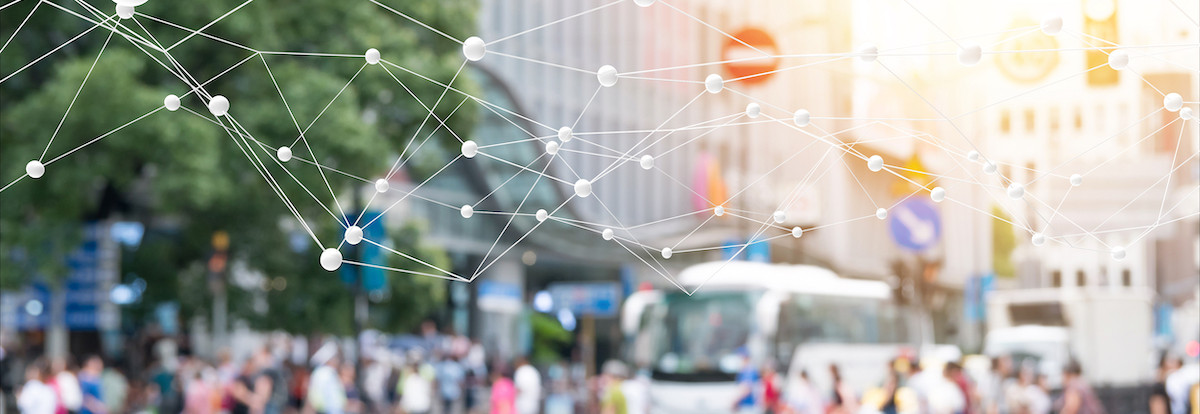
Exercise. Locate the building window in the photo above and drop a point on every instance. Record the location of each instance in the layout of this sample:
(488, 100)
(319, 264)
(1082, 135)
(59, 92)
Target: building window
(1078, 119)
(1056, 279)
(1080, 278)
(1054, 119)
(1030, 118)
(1005, 122)
(1126, 278)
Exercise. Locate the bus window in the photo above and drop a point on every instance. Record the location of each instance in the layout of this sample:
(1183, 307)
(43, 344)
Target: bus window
(701, 334)
(833, 319)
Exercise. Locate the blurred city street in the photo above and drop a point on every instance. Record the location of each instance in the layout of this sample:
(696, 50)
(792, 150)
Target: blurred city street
(600, 206)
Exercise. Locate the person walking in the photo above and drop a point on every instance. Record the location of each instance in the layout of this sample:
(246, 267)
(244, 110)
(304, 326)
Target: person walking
(250, 389)
(1077, 397)
(843, 400)
(325, 394)
(1037, 396)
(748, 381)
(70, 397)
(504, 393)
(1160, 401)
(36, 396)
(451, 378)
(417, 388)
(612, 399)
(89, 386)
(529, 387)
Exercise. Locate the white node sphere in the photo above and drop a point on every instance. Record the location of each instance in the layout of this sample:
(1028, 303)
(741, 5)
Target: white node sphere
(1118, 253)
(868, 52)
(552, 147)
(565, 134)
(607, 234)
(797, 232)
(1186, 114)
(713, 83)
(881, 213)
(718, 211)
(473, 48)
(284, 154)
(541, 215)
(1173, 102)
(35, 169)
(801, 117)
(643, 3)
(124, 12)
(470, 149)
(970, 54)
(1038, 239)
(938, 194)
(372, 56)
(171, 102)
(666, 252)
(130, 3)
(353, 235)
(331, 259)
(466, 211)
(973, 156)
(583, 188)
(647, 162)
(1016, 191)
(382, 185)
(753, 110)
(219, 106)
(1052, 25)
(779, 216)
(989, 168)
(1118, 59)
(607, 75)
(1076, 180)
(875, 163)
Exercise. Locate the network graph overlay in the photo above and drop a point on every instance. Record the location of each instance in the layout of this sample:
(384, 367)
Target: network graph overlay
(271, 162)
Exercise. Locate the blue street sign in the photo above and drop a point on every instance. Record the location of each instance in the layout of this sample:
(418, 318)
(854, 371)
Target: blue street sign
(374, 278)
(915, 224)
(499, 296)
(587, 298)
(752, 251)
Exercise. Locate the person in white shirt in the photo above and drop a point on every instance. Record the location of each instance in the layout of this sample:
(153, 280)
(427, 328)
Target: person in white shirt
(35, 397)
(67, 385)
(529, 387)
(417, 395)
(326, 395)
(1180, 385)
(1037, 396)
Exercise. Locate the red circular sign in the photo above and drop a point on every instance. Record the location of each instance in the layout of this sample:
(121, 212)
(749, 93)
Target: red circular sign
(743, 62)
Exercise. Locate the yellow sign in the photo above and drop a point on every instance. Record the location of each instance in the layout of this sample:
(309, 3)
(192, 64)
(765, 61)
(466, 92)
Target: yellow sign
(915, 172)
(1027, 58)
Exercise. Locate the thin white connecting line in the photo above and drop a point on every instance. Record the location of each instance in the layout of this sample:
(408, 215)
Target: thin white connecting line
(838, 145)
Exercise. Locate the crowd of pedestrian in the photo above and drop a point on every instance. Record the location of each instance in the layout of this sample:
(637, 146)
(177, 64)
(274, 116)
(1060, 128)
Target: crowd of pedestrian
(451, 374)
(942, 388)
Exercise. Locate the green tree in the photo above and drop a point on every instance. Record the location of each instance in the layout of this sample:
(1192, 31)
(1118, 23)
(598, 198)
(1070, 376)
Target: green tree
(184, 177)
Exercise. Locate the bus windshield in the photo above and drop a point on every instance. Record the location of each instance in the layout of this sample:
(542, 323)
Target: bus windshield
(836, 319)
(699, 337)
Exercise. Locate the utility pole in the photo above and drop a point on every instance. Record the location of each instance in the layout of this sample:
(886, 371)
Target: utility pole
(217, 263)
(360, 298)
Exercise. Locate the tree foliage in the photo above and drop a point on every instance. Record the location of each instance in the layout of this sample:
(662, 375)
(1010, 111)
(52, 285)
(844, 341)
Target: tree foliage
(185, 177)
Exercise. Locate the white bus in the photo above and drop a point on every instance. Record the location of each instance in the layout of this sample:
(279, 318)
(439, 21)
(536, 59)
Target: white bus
(794, 314)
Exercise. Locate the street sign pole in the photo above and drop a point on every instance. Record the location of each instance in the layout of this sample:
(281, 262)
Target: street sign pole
(360, 301)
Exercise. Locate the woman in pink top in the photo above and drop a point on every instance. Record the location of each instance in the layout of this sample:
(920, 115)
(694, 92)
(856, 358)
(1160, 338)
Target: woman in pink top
(504, 394)
(198, 395)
